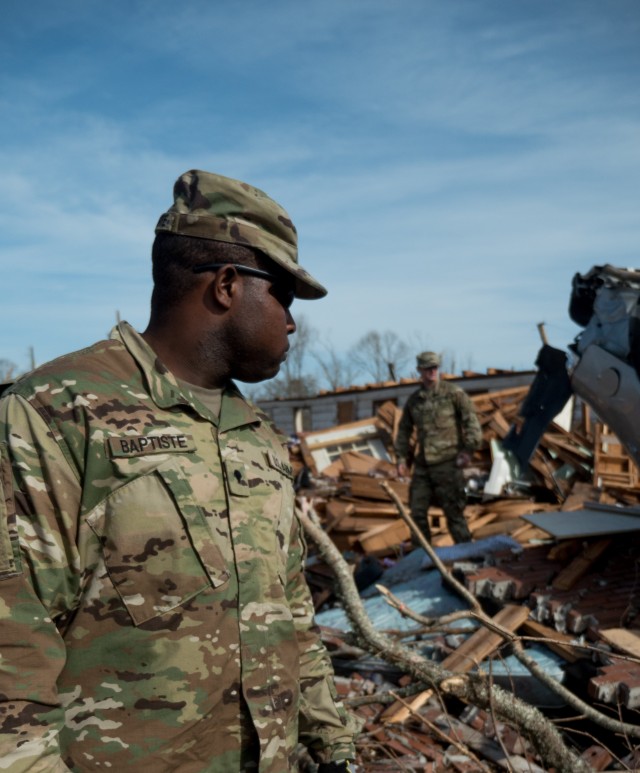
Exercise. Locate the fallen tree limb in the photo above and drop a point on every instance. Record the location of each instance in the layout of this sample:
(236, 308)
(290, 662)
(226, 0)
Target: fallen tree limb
(473, 688)
(440, 734)
(570, 698)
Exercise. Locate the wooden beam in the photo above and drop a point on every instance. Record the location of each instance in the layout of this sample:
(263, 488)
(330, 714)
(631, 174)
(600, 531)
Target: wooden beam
(569, 576)
(560, 643)
(469, 654)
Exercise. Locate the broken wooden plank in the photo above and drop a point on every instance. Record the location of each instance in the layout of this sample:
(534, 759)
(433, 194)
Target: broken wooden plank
(335, 512)
(568, 577)
(479, 521)
(379, 540)
(560, 643)
(369, 487)
(365, 464)
(581, 493)
(626, 640)
(498, 527)
(469, 654)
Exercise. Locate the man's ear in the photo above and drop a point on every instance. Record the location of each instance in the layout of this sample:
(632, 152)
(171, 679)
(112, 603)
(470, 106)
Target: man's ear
(225, 286)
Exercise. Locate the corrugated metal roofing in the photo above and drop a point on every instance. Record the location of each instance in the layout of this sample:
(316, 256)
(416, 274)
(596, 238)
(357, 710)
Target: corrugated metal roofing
(425, 593)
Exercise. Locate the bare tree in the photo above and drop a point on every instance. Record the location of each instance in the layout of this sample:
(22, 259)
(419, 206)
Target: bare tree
(338, 371)
(448, 361)
(294, 379)
(313, 363)
(381, 355)
(7, 370)
(451, 363)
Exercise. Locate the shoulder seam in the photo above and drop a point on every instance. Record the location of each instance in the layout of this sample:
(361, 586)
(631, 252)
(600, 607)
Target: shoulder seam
(55, 434)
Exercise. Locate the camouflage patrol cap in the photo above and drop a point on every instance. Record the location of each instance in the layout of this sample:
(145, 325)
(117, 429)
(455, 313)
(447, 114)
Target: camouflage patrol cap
(210, 206)
(428, 360)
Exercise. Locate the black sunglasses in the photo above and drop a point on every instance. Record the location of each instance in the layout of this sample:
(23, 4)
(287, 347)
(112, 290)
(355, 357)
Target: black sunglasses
(284, 292)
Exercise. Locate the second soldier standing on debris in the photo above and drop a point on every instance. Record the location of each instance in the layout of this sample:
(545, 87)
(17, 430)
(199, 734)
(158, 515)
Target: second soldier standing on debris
(448, 432)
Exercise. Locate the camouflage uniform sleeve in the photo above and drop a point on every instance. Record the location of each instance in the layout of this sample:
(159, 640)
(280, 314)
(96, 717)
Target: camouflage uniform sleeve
(325, 728)
(405, 428)
(470, 430)
(39, 570)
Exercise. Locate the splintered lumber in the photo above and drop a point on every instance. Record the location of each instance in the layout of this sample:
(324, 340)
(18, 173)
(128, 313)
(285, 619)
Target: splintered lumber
(467, 656)
(335, 469)
(512, 508)
(499, 424)
(560, 643)
(568, 577)
(506, 399)
(566, 449)
(504, 517)
(338, 506)
(335, 512)
(581, 493)
(528, 532)
(388, 417)
(370, 507)
(503, 526)
(320, 448)
(370, 488)
(344, 517)
(357, 525)
(612, 465)
(383, 539)
(356, 461)
(481, 520)
(565, 550)
(545, 466)
(624, 639)
(484, 642)
(387, 412)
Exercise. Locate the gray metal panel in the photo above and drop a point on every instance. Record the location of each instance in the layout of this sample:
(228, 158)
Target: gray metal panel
(584, 523)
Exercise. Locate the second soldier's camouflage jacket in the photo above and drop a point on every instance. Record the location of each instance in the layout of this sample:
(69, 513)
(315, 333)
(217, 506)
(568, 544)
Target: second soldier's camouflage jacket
(153, 609)
(445, 422)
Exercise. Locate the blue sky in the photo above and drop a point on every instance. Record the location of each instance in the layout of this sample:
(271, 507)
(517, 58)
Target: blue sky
(450, 164)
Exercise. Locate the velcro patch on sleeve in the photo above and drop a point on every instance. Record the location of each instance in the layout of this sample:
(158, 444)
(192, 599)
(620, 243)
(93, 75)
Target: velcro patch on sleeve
(141, 445)
(9, 563)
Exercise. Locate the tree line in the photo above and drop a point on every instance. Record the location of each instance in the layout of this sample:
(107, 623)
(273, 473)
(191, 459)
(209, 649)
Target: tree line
(315, 363)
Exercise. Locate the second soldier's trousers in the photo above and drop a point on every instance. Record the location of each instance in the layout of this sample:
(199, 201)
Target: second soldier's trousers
(441, 484)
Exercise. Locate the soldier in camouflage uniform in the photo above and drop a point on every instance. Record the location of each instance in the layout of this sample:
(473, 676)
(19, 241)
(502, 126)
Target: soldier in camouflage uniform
(448, 432)
(154, 612)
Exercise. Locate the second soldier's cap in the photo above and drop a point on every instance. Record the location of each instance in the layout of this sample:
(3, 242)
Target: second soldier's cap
(428, 360)
(210, 206)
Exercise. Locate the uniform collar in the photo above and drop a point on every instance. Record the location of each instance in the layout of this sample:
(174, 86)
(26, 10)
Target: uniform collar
(167, 393)
(426, 392)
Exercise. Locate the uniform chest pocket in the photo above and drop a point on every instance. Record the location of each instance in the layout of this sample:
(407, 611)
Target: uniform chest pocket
(156, 545)
(444, 415)
(261, 501)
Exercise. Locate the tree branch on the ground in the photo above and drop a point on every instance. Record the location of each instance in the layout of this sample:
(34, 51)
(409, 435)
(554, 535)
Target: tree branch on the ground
(609, 723)
(472, 688)
(439, 734)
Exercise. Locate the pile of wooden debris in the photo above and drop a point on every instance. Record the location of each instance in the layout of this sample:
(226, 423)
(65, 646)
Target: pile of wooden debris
(346, 463)
(572, 583)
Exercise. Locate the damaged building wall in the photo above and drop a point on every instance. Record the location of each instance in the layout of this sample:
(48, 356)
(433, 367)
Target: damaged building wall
(301, 414)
